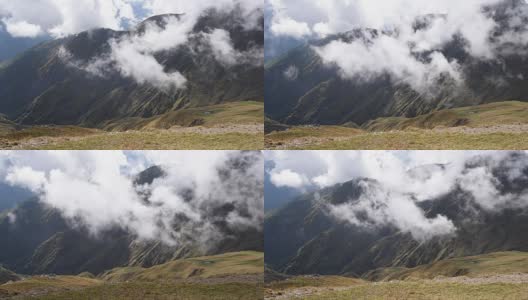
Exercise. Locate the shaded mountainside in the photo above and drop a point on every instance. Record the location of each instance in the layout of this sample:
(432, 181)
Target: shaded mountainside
(39, 240)
(301, 89)
(41, 87)
(304, 238)
(6, 276)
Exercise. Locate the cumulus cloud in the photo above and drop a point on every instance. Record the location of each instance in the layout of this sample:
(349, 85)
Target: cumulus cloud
(408, 38)
(402, 180)
(58, 18)
(99, 190)
(287, 26)
(287, 178)
(21, 28)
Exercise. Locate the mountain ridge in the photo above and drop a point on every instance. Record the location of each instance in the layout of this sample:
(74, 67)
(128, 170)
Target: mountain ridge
(39, 87)
(301, 89)
(307, 239)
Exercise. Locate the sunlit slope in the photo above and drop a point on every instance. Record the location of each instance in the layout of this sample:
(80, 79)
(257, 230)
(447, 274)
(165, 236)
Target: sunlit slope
(238, 263)
(227, 276)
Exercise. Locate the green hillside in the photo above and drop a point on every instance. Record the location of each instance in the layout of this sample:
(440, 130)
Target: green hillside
(501, 275)
(247, 112)
(501, 125)
(486, 115)
(511, 262)
(239, 263)
(227, 276)
(236, 125)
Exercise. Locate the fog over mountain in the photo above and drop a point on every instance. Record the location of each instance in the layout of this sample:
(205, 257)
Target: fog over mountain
(154, 206)
(130, 59)
(398, 182)
(97, 190)
(360, 60)
(395, 209)
(411, 33)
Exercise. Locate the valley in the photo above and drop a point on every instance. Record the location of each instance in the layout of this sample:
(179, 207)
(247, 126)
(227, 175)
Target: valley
(499, 125)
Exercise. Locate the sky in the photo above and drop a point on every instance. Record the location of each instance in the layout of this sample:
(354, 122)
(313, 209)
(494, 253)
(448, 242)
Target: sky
(58, 18)
(404, 179)
(96, 190)
(406, 54)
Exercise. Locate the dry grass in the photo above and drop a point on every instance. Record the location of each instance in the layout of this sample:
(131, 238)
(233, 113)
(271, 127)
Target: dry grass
(238, 263)
(227, 276)
(501, 275)
(230, 126)
(416, 139)
(494, 126)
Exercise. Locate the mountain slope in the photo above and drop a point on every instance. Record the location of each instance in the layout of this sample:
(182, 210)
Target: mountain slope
(39, 240)
(40, 86)
(505, 263)
(301, 89)
(307, 239)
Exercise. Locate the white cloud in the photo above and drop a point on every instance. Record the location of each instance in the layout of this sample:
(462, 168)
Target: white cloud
(96, 188)
(222, 47)
(287, 178)
(404, 52)
(59, 18)
(136, 55)
(63, 17)
(34, 180)
(289, 27)
(403, 180)
(291, 73)
(21, 28)
(383, 206)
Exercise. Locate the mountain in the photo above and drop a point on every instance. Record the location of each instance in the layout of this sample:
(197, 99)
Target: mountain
(6, 276)
(39, 240)
(301, 89)
(41, 86)
(305, 238)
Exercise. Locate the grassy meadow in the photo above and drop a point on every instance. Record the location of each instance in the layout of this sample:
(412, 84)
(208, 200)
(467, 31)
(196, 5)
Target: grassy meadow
(230, 126)
(227, 276)
(495, 126)
(501, 275)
